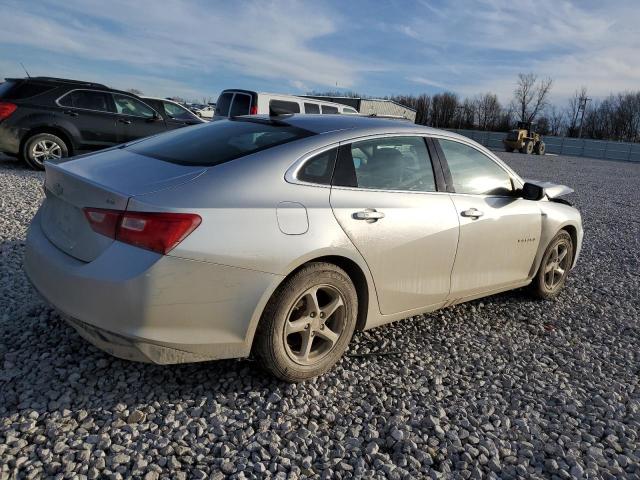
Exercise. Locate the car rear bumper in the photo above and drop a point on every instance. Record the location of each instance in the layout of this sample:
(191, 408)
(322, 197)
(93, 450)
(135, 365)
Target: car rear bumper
(9, 139)
(142, 306)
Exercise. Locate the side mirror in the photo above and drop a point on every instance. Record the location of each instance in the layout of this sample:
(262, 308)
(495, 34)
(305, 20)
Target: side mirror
(155, 118)
(531, 191)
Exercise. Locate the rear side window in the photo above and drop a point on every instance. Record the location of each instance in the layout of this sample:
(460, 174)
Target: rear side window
(176, 111)
(223, 104)
(311, 108)
(218, 142)
(282, 107)
(88, 100)
(329, 109)
(393, 163)
(19, 91)
(127, 105)
(349, 110)
(319, 169)
(240, 106)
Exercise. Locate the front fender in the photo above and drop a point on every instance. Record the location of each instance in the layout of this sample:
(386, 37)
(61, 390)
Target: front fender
(555, 217)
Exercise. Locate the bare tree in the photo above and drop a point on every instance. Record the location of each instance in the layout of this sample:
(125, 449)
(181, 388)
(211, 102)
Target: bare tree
(135, 91)
(531, 95)
(420, 104)
(488, 111)
(443, 110)
(573, 110)
(556, 120)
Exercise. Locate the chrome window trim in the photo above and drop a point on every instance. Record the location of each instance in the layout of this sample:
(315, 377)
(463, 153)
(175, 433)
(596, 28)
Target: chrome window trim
(57, 102)
(291, 175)
(292, 171)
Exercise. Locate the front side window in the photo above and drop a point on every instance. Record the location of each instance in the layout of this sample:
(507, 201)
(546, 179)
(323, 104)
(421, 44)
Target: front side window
(318, 169)
(329, 109)
(283, 107)
(88, 100)
(176, 111)
(214, 143)
(240, 106)
(473, 172)
(126, 105)
(223, 104)
(311, 108)
(392, 163)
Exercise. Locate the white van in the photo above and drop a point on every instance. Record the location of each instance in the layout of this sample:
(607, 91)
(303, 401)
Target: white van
(233, 102)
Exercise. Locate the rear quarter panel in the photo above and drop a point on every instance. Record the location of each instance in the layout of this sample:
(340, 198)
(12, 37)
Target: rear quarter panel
(238, 203)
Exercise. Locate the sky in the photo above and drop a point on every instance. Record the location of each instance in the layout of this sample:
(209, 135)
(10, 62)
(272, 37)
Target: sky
(195, 48)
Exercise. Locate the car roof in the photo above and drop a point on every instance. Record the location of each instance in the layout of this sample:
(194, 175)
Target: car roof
(331, 123)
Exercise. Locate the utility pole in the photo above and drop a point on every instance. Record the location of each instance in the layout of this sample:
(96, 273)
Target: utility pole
(583, 106)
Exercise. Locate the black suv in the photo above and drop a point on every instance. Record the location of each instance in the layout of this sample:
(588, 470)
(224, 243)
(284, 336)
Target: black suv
(44, 118)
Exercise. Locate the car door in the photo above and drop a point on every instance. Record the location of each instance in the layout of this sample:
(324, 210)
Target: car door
(499, 231)
(384, 196)
(90, 116)
(136, 119)
(177, 116)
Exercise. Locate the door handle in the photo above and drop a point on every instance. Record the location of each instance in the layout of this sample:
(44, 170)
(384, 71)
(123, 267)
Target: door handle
(472, 213)
(370, 215)
(126, 122)
(70, 113)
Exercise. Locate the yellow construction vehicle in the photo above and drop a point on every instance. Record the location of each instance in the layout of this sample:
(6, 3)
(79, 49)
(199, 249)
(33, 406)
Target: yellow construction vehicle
(524, 139)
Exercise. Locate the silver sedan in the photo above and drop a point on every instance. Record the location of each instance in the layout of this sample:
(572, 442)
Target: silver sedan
(280, 236)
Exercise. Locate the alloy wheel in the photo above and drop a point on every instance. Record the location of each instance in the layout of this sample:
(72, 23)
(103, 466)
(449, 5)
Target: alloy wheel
(314, 324)
(46, 150)
(557, 265)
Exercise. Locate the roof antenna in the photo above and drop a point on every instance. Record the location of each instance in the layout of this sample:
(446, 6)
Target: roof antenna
(25, 70)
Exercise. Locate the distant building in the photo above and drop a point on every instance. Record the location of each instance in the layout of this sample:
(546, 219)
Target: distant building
(372, 106)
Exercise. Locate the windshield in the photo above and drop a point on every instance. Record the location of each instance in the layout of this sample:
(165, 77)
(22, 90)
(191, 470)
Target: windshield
(218, 142)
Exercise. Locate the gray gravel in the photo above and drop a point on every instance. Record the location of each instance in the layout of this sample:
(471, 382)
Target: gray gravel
(504, 387)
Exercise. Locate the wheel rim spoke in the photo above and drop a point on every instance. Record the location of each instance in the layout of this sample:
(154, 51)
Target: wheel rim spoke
(297, 325)
(312, 301)
(329, 335)
(331, 308)
(562, 255)
(307, 343)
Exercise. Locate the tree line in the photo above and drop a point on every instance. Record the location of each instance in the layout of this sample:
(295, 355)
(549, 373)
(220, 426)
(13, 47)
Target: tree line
(616, 117)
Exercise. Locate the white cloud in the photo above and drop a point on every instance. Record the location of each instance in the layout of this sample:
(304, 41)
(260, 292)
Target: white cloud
(466, 46)
(486, 44)
(252, 38)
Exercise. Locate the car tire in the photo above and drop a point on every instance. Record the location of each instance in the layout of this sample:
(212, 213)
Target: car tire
(554, 267)
(508, 149)
(528, 148)
(540, 148)
(299, 338)
(41, 147)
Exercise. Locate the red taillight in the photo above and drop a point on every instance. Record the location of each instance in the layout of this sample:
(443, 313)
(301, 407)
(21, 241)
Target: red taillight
(160, 232)
(104, 222)
(6, 109)
(254, 110)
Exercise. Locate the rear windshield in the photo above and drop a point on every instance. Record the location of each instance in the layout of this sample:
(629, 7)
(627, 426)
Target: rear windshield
(5, 87)
(241, 104)
(218, 142)
(223, 104)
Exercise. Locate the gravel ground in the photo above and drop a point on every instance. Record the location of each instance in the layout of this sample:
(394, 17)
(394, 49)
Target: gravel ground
(504, 387)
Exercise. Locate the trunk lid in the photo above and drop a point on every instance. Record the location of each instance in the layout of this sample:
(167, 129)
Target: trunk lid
(103, 180)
